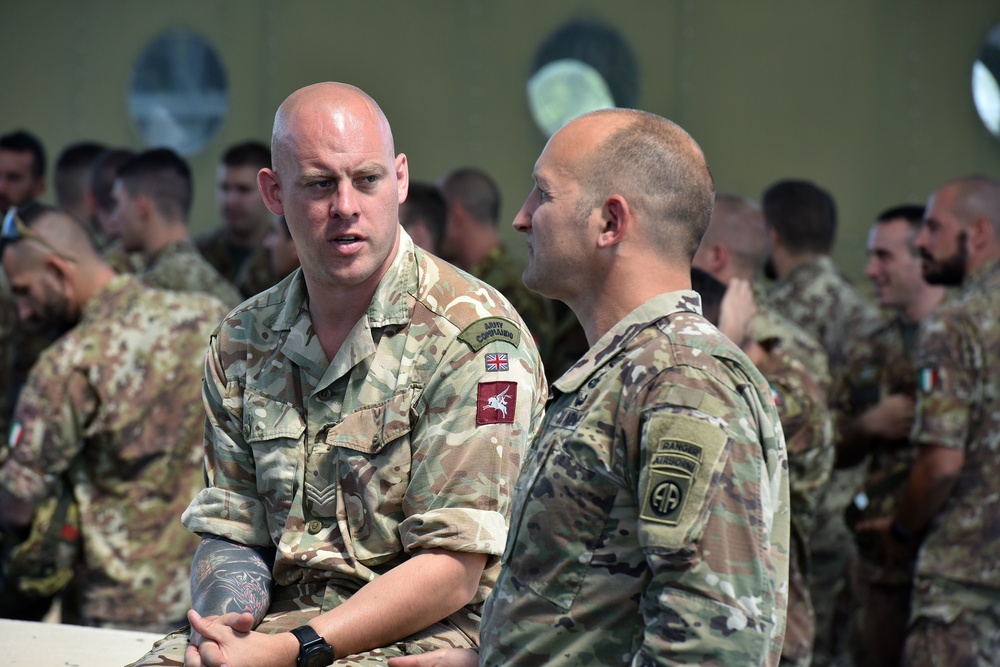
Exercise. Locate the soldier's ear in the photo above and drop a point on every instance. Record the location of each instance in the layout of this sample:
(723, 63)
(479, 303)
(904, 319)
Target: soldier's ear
(980, 233)
(270, 190)
(59, 270)
(616, 218)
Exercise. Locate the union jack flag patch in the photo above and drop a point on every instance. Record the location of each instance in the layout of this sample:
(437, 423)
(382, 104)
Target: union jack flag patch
(497, 361)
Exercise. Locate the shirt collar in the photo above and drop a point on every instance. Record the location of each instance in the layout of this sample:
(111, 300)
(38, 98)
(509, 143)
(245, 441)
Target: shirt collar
(618, 337)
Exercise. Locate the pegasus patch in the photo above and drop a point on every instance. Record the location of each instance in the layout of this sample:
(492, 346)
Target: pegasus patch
(488, 330)
(496, 403)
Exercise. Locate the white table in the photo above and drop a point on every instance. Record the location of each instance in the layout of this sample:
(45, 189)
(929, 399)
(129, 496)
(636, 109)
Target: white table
(56, 645)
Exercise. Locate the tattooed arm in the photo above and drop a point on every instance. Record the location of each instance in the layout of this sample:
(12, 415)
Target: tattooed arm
(231, 578)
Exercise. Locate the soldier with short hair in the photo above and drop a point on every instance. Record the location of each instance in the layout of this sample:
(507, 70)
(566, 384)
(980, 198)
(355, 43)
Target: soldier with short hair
(366, 420)
(113, 410)
(472, 242)
(153, 194)
(651, 519)
(875, 408)
(948, 511)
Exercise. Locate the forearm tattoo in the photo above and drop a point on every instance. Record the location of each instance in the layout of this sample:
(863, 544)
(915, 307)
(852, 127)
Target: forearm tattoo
(228, 577)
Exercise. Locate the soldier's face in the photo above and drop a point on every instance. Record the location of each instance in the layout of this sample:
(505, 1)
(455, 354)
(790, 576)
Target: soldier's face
(40, 300)
(894, 266)
(18, 184)
(127, 218)
(556, 218)
(243, 209)
(942, 242)
(339, 187)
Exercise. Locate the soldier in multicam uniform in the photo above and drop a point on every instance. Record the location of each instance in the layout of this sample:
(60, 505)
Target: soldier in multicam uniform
(236, 247)
(152, 201)
(472, 242)
(367, 417)
(950, 498)
(874, 405)
(801, 400)
(801, 220)
(651, 519)
(112, 408)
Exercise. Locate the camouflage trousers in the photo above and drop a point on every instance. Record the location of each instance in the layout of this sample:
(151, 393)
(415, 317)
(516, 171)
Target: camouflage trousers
(953, 625)
(288, 614)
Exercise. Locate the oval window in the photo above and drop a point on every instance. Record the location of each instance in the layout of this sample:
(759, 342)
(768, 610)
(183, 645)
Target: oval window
(985, 78)
(178, 96)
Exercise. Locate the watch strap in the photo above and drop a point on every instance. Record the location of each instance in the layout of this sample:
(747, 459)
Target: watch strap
(310, 642)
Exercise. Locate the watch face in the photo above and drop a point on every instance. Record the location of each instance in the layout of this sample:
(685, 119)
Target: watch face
(313, 649)
(320, 655)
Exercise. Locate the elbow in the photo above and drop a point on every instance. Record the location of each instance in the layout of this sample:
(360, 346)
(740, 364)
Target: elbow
(463, 584)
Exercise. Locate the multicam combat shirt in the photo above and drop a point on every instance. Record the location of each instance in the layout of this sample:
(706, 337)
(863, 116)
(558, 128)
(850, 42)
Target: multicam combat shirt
(651, 520)
(410, 438)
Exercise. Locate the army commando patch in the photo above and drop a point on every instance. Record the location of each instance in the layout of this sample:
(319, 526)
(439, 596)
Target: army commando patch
(488, 330)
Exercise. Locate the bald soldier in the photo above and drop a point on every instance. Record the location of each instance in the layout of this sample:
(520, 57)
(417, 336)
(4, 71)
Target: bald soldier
(366, 420)
(113, 411)
(651, 520)
(949, 510)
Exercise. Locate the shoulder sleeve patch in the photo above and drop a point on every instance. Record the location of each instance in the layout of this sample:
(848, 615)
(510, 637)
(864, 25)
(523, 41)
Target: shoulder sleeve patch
(683, 453)
(489, 329)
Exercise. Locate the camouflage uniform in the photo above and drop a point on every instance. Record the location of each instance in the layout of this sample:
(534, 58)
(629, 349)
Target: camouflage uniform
(818, 299)
(410, 438)
(879, 365)
(956, 600)
(249, 270)
(114, 407)
(8, 324)
(120, 259)
(801, 400)
(180, 268)
(769, 325)
(500, 272)
(651, 521)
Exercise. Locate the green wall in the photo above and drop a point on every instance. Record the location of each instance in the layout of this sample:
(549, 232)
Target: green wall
(869, 99)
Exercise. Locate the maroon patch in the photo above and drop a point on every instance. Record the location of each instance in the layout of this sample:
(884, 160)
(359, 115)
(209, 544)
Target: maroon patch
(496, 403)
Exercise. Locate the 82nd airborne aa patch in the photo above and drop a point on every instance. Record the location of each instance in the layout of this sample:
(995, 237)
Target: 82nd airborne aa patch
(672, 472)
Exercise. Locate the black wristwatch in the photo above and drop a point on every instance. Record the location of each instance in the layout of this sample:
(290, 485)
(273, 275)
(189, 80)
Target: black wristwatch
(313, 649)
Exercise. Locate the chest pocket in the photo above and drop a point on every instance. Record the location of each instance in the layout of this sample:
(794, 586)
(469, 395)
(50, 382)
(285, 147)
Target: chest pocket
(368, 454)
(562, 517)
(274, 431)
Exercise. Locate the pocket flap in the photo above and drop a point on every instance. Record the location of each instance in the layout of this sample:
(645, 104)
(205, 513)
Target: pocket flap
(368, 429)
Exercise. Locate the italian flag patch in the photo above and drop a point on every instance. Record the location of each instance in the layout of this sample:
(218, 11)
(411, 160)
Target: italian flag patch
(927, 379)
